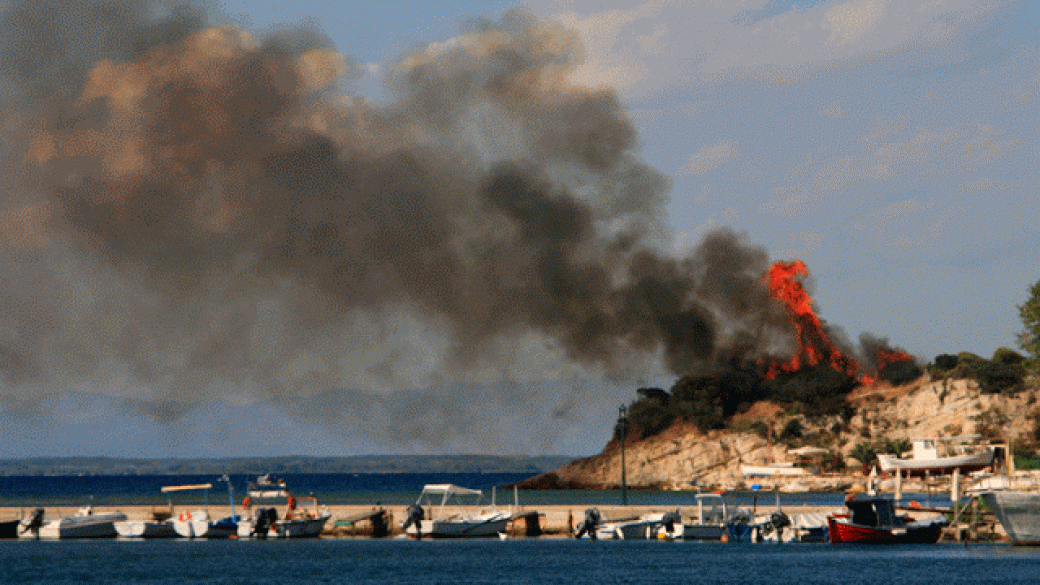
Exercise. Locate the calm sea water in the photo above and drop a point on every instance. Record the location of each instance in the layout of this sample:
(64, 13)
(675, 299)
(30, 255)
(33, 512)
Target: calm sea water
(512, 561)
(544, 560)
(360, 489)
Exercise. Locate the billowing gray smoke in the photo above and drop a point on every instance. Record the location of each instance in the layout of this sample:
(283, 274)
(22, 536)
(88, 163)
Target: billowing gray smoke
(190, 213)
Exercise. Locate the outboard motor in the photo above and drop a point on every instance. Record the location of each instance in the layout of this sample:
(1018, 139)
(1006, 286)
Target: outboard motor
(33, 522)
(776, 523)
(265, 519)
(415, 516)
(670, 520)
(379, 527)
(740, 526)
(592, 520)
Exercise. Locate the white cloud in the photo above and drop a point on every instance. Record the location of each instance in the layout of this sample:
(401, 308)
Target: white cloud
(987, 146)
(851, 21)
(889, 150)
(710, 158)
(984, 186)
(660, 45)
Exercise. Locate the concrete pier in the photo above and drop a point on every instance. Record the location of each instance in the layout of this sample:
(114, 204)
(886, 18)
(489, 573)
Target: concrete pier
(553, 520)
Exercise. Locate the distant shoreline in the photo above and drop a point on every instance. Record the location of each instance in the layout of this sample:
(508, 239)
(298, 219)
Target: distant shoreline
(65, 466)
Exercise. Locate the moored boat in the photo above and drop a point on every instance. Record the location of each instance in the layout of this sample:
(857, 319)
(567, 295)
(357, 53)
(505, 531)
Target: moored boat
(924, 458)
(85, 523)
(873, 520)
(161, 525)
(146, 529)
(709, 523)
(644, 527)
(197, 524)
(1018, 513)
(463, 524)
(302, 517)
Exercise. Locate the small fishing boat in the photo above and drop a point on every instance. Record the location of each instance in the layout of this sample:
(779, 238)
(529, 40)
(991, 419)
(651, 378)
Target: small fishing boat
(708, 524)
(460, 524)
(161, 525)
(85, 523)
(146, 529)
(302, 517)
(644, 527)
(924, 458)
(874, 520)
(197, 524)
(267, 486)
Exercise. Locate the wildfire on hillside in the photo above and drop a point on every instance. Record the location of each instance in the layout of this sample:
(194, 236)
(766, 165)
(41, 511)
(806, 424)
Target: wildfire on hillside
(814, 345)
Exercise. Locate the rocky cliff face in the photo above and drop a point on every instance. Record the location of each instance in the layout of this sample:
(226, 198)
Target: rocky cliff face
(681, 456)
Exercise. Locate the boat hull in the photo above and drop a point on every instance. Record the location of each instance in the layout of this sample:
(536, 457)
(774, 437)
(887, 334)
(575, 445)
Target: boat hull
(465, 528)
(841, 530)
(938, 466)
(138, 529)
(303, 528)
(225, 528)
(10, 528)
(92, 526)
(295, 528)
(701, 532)
(1018, 513)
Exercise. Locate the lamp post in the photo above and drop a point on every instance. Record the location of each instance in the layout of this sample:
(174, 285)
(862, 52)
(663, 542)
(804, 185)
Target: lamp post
(623, 419)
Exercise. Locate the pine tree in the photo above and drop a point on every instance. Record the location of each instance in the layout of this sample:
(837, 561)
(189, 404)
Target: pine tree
(1029, 339)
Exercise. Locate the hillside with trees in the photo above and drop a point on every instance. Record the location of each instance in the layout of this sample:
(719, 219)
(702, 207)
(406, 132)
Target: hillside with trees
(705, 425)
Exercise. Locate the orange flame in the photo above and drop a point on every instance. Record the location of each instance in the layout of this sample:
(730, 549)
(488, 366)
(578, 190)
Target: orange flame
(887, 357)
(814, 346)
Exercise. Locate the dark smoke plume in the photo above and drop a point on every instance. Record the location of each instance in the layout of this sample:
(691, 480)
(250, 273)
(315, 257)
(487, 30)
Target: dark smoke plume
(192, 213)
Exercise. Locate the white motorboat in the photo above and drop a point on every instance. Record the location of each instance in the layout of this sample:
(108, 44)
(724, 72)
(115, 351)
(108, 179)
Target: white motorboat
(302, 518)
(267, 486)
(1018, 512)
(197, 524)
(146, 529)
(161, 524)
(448, 523)
(924, 458)
(708, 524)
(84, 524)
(645, 527)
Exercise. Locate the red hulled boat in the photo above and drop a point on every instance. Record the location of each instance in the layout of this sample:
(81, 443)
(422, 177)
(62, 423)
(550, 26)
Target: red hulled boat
(874, 520)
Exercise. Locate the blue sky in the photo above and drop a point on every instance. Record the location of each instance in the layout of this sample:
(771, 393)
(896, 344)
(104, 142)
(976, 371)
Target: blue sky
(890, 145)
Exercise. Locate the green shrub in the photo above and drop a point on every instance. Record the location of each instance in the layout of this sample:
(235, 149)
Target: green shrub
(901, 372)
(995, 378)
(1008, 357)
(865, 453)
(761, 429)
(792, 430)
(969, 360)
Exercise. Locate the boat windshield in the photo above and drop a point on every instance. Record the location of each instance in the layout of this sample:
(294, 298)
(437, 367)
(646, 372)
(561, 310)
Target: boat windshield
(448, 494)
